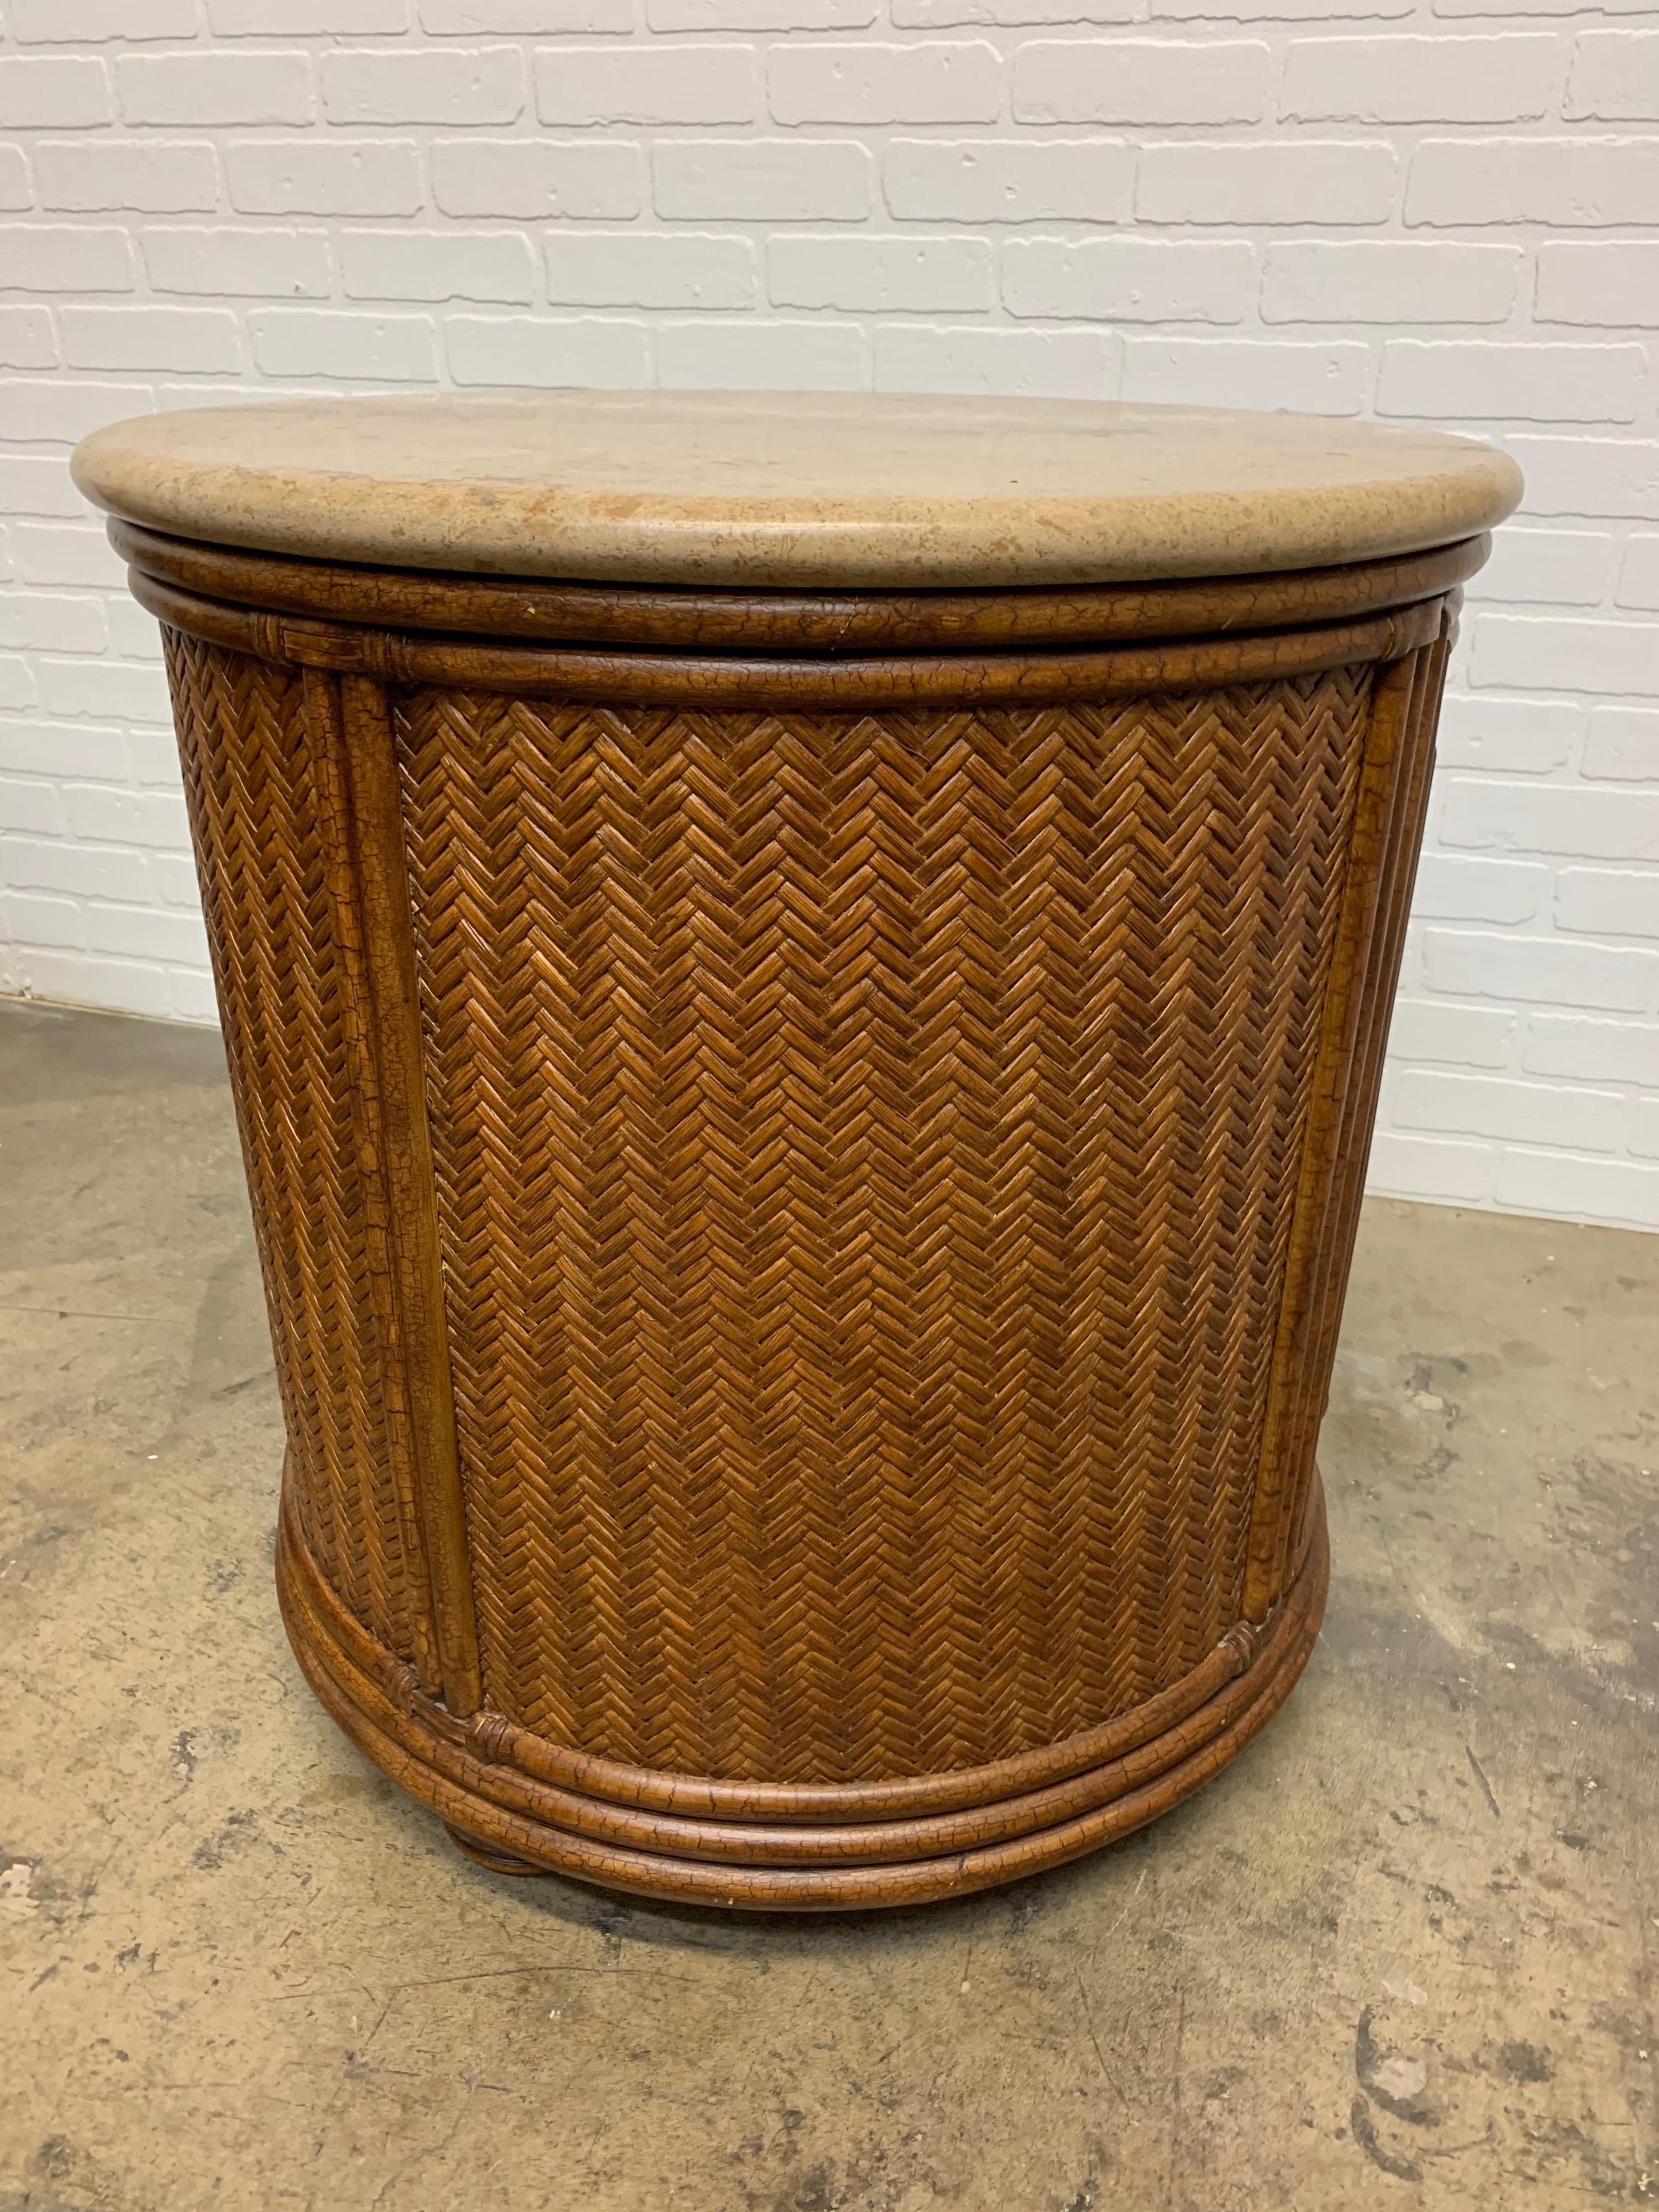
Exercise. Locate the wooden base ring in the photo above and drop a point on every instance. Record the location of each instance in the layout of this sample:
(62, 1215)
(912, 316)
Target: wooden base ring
(475, 1774)
(485, 1855)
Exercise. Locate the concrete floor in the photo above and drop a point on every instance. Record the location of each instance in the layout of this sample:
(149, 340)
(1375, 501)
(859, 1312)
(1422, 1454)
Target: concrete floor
(1400, 1953)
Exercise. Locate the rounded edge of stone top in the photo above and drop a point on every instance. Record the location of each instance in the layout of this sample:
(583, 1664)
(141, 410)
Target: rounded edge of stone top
(772, 490)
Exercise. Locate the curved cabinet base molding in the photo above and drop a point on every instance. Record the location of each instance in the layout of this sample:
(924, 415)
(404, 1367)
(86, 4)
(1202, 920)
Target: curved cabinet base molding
(508, 1819)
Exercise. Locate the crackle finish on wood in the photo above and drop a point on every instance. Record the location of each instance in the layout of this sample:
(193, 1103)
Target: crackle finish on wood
(804, 1201)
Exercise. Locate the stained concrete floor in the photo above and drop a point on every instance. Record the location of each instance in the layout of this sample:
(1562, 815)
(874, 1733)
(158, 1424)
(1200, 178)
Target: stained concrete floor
(1400, 1953)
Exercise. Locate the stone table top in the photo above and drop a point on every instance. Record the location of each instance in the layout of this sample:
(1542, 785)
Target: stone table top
(782, 490)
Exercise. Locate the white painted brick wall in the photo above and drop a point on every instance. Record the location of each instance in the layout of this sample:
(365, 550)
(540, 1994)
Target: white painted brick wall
(1439, 210)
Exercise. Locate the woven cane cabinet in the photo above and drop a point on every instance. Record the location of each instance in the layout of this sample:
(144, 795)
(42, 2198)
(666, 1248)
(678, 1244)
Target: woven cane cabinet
(806, 982)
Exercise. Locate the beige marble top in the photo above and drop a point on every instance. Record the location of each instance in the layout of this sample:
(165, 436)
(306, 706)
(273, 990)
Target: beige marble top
(792, 489)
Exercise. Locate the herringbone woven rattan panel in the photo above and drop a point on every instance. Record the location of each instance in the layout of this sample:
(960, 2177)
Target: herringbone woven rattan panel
(865, 1148)
(251, 782)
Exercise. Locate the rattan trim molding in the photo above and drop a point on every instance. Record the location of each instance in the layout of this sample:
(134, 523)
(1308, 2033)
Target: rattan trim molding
(980, 680)
(516, 1823)
(835, 625)
(351, 735)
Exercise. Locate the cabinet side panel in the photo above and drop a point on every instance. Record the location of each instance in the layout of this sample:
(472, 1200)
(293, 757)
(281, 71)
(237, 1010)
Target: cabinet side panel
(1389, 833)
(864, 1146)
(255, 808)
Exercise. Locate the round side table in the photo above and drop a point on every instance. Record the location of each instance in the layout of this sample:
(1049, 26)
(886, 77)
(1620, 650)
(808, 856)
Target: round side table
(805, 981)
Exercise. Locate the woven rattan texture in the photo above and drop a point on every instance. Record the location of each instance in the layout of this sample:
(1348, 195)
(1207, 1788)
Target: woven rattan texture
(864, 1149)
(251, 783)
